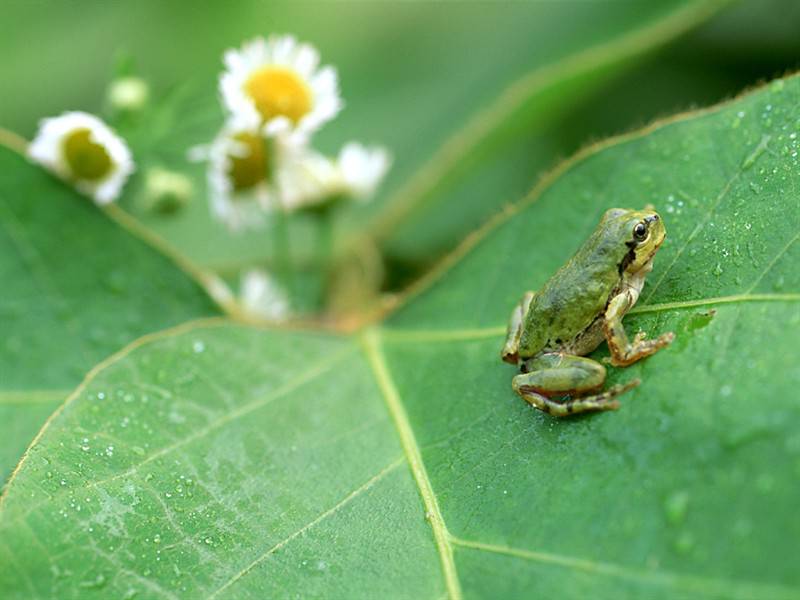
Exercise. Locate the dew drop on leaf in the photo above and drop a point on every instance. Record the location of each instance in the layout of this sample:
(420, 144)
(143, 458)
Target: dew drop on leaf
(676, 506)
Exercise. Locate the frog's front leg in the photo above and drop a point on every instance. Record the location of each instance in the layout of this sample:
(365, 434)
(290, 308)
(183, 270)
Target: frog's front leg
(623, 351)
(515, 323)
(556, 374)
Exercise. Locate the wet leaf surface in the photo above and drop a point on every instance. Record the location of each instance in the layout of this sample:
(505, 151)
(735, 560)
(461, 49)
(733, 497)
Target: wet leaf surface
(76, 287)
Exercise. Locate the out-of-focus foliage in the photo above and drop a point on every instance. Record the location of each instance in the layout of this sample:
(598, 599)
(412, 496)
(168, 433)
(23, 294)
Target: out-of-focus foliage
(454, 63)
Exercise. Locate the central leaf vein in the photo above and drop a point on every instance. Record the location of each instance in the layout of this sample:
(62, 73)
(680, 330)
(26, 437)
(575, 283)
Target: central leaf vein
(371, 345)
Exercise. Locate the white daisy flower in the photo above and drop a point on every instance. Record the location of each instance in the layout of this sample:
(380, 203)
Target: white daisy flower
(81, 149)
(312, 179)
(240, 176)
(278, 82)
(362, 169)
(262, 297)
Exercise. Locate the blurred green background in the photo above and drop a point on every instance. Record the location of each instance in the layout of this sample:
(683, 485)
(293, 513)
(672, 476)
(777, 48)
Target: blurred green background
(412, 76)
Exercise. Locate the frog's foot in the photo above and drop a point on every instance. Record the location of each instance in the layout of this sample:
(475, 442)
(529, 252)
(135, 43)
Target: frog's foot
(562, 375)
(596, 402)
(622, 356)
(570, 407)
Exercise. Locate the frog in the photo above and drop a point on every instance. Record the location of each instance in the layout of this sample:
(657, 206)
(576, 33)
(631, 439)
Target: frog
(552, 330)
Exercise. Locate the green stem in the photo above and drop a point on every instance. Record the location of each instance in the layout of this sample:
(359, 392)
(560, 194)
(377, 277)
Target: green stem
(324, 248)
(325, 237)
(280, 229)
(283, 264)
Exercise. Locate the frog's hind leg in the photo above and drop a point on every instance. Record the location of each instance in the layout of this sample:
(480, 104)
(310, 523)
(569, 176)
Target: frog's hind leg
(564, 374)
(511, 345)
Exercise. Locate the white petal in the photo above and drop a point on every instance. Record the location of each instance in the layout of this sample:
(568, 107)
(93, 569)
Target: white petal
(286, 52)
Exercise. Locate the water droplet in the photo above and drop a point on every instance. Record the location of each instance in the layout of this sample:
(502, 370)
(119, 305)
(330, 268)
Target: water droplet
(765, 483)
(742, 528)
(95, 583)
(684, 543)
(198, 346)
(725, 391)
(676, 506)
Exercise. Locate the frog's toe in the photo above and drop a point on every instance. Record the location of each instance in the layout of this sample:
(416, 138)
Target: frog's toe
(667, 338)
(621, 388)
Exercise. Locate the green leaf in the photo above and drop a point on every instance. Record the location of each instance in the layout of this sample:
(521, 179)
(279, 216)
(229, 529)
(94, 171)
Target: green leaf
(223, 461)
(76, 287)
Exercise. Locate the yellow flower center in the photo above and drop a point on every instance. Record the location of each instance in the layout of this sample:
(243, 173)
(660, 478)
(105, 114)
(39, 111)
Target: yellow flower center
(249, 163)
(279, 92)
(86, 159)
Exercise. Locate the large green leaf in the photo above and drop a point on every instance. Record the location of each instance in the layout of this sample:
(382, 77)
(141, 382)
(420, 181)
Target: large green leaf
(76, 287)
(218, 460)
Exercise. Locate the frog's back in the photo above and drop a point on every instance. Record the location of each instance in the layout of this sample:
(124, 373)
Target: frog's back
(573, 298)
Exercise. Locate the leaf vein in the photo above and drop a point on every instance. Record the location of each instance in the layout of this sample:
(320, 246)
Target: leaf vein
(339, 505)
(697, 229)
(481, 333)
(370, 341)
(744, 590)
(199, 434)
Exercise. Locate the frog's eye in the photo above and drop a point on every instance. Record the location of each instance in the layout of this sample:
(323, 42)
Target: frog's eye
(640, 231)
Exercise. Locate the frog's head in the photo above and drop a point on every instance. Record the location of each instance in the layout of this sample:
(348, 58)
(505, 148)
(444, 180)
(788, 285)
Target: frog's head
(642, 232)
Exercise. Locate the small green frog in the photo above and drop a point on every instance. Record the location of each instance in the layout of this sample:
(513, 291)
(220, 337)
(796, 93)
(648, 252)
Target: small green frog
(552, 330)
